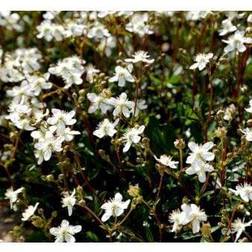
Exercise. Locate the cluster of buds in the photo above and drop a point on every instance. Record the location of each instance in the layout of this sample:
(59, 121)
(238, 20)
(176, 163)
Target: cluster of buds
(134, 192)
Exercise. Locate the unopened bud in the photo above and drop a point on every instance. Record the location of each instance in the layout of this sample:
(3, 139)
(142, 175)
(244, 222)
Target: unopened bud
(179, 144)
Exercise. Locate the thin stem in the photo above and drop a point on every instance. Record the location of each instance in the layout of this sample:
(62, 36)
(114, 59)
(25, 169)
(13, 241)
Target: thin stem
(160, 184)
(125, 217)
(92, 214)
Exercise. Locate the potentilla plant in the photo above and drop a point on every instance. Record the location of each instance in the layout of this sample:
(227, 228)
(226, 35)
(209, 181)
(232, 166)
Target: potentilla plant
(126, 126)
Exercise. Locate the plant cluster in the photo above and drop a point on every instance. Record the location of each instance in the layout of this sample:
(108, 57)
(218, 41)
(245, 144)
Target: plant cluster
(126, 126)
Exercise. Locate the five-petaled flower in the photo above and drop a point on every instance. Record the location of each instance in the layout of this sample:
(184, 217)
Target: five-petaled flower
(69, 200)
(238, 227)
(167, 161)
(201, 61)
(29, 212)
(65, 232)
(198, 159)
(114, 207)
(106, 128)
(131, 136)
(12, 196)
(122, 75)
(236, 42)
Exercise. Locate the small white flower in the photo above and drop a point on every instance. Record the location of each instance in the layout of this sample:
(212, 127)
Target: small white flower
(194, 215)
(190, 214)
(65, 232)
(197, 15)
(201, 61)
(48, 145)
(70, 70)
(248, 134)
(244, 191)
(197, 159)
(12, 196)
(114, 207)
(227, 27)
(249, 19)
(106, 128)
(139, 24)
(122, 105)
(167, 161)
(238, 227)
(98, 102)
(229, 112)
(29, 212)
(250, 107)
(200, 152)
(69, 134)
(61, 119)
(200, 168)
(122, 75)
(91, 71)
(69, 201)
(140, 56)
(98, 32)
(131, 136)
(177, 218)
(236, 42)
(38, 83)
(141, 105)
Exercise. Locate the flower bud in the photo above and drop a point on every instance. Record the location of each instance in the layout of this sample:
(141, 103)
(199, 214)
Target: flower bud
(134, 191)
(179, 144)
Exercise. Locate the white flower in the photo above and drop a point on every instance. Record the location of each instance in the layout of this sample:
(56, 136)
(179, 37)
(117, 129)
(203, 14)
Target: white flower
(122, 105)
(91, 71)
(236, 42)
(244, 191)
(249, 19)
(177, 218)
(65, 232)
(50, 15)
(167, 161)
(61, 119)
(50, 31)
(139, 24)
(238, 227)
(29, 212)
(98, 102)
(114, 207)
(122, 75)
(69, 201)
(229, 112)
(69, 134)
(141, 105)
(131, 136)
(98, 32)
(200, 152)
(193, 215)
(227, 27)
(38, 83)
(200, 168)
(248, 134)
(70, 70)
(250, 107)
(140, 56)
(198, 157)
(106, 128)
(190, 214)
(201, 61)
(47, 145)
(197, 15)
(12, 196)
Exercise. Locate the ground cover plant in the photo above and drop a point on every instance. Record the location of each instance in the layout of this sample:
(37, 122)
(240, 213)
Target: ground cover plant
(126, 126)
